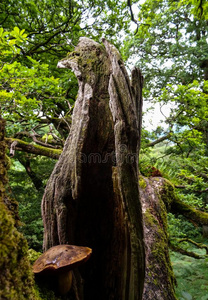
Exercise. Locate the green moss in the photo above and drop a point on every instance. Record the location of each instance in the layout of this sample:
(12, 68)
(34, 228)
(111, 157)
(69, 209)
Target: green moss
(142, 182)
(12, 206)
(7, 162)
(88, 62)
(157, 178)
(168, 194)
(33, 255)
(149, 219)
(37, 149)
(156, 220)
(16, 278)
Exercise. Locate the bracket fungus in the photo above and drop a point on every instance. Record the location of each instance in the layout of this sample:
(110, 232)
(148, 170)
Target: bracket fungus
(61, 260)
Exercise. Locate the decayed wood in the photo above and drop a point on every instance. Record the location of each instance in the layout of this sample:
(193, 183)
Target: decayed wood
(125, 103)
(92, 196)
(60, 201)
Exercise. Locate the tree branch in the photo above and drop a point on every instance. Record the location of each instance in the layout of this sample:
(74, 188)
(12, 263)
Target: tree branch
(33, 176)
(189, 212)
(163, 138)
(176, 206)
(198, 245)
(30, 148)
(184, 252)
(132, 15)
(193, 191)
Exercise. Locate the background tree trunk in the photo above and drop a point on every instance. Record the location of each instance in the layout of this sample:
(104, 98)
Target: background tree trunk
(159, 277)
(16, 279)
(92, 196)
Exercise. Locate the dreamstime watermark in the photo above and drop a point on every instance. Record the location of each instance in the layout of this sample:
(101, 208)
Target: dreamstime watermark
(121, 155)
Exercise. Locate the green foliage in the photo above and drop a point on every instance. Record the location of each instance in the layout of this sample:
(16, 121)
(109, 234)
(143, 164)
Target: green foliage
(191, 275)
(26, 89)
(29, 198)
(188, 172)
(183, 172)
(9, 42)
(179, 227)
(200, 9)
(172, 46)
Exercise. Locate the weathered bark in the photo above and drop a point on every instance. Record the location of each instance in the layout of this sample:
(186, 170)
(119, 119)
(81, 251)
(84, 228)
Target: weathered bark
(92, 196)
(125, 104)
(175, 205)
(159, 278)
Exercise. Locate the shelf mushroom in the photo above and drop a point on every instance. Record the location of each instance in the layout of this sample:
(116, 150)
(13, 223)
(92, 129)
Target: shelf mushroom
(61, 260)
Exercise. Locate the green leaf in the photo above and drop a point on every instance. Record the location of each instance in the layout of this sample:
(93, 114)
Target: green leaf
(16, 30)
(186, 295)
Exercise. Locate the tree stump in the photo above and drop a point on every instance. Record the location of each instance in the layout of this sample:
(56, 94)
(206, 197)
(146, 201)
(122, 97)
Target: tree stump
(92, 196)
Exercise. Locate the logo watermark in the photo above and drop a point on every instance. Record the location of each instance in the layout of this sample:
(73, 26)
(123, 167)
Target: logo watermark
(121, 155)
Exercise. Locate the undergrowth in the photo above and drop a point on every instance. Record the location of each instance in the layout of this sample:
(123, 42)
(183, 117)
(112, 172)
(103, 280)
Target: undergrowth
(191, 275)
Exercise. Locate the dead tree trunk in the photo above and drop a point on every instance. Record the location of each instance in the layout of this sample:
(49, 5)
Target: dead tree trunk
(92, 196)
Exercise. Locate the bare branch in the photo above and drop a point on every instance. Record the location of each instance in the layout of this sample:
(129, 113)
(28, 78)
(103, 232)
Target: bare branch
(198, 245)
(184, 252)
(163, 138)
(132, 15)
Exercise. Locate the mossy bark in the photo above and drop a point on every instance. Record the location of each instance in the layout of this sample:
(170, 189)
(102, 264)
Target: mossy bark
(20, 145)
(159, 277)
(158, 197)
(92, 196)
(16, 279)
